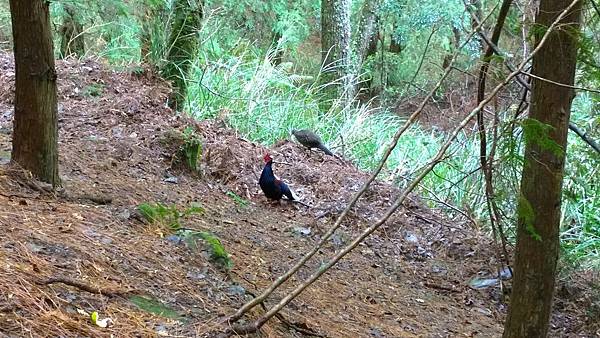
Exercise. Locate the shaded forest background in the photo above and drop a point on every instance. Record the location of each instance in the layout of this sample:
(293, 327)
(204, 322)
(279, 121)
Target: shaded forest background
(257, 65)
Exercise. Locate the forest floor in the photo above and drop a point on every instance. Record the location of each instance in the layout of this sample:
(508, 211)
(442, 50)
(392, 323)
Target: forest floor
(87, 249)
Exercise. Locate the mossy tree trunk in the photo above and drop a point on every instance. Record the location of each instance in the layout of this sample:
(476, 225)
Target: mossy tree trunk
(336, 46)
(35, 130)
(366, 40)
(541, 184)
(183, 45)
(71, 34)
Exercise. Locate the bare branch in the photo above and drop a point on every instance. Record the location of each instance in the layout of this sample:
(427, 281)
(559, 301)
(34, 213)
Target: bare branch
(584, 137)
(597, 91)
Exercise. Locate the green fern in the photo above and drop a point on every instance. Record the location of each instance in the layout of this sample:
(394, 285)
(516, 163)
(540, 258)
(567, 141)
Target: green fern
(536, 132)
(527, 216)
(191, 148)
(167, 215)
(237, 199)
(218, 252)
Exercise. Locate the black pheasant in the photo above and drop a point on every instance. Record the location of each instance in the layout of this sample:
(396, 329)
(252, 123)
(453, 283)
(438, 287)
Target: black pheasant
(273, 187)
(310, 140)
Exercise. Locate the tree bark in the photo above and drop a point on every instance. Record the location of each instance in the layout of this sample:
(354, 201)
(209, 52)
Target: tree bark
(183, 44)
(367, 31)
(539, 204)
(35, 133)
(336, 44)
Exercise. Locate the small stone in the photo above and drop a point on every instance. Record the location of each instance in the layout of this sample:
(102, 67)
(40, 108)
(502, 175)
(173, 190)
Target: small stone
(172, 179)
(302, 231)
(124, 215)
(174, 239)
(195, 275)
(411, 238)
(236, 290)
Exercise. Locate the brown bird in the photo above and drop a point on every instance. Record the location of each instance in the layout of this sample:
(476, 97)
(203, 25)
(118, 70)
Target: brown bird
(310, 140)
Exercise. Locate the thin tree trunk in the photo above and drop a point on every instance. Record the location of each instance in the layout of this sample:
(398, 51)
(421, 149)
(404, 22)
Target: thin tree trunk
(540, 200)
(327, 34)
(35, 133)
(486, 163)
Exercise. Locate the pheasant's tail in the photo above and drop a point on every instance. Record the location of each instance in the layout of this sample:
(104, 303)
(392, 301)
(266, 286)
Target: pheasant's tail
(325, 150)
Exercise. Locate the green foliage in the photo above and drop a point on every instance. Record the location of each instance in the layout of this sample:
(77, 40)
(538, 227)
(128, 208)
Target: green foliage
(171, 217)
(218, 252)
(580, 235)
(587, 57)
(526, 215)
(93, 90)
(237, 199)
(538, 133)
(167, 215)
(191, 148)
(154, 306)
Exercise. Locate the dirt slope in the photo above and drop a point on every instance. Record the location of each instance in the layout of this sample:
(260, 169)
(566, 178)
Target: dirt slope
(116, 151)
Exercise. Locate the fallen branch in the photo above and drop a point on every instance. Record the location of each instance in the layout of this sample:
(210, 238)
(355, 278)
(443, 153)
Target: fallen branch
(441, 287)
(82, 286)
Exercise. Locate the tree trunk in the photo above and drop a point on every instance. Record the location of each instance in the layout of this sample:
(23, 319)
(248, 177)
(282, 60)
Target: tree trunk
(372, 49)
(367, 30)
(335, 45)
(35, 133)
(539, 204)
(71, 35)
(327, 33)
(183, 44)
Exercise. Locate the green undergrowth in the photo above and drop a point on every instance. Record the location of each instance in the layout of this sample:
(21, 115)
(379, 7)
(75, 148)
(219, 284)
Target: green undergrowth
(170, 217)
(154, 306)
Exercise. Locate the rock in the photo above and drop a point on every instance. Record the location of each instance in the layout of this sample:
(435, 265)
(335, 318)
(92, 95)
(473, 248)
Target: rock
(482, 283)
(195, 275)
(236, 290)
(174, 239)
(411, 238)
(171, 179)
(376, 332)
(124, 215)
(302, 231)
